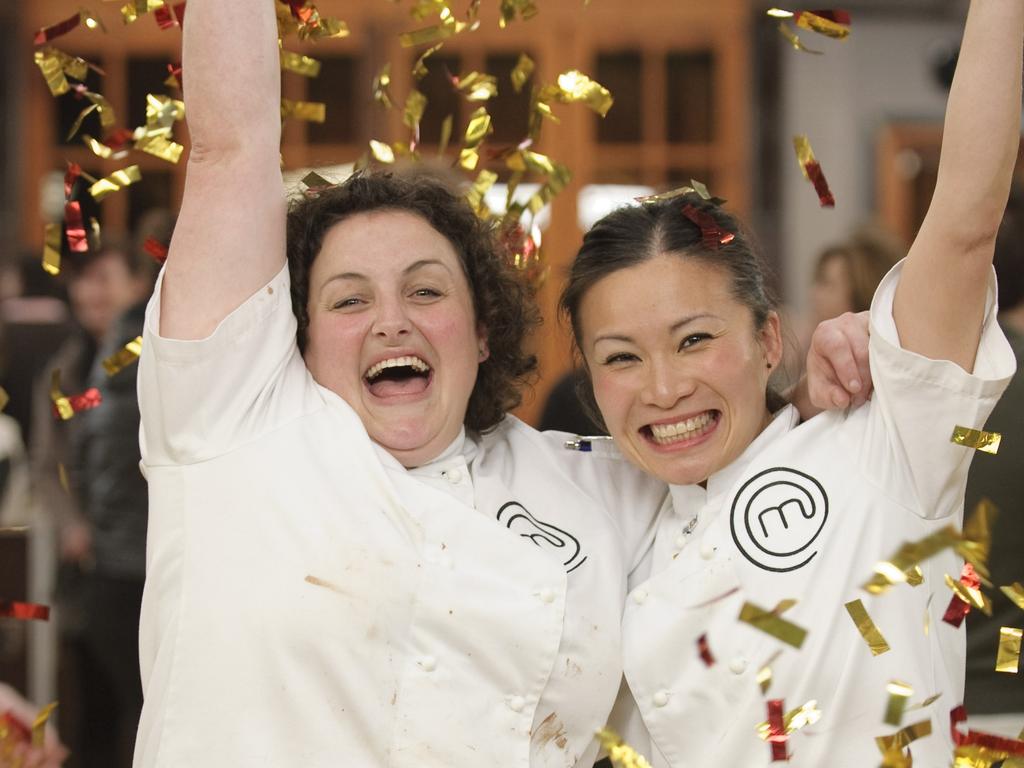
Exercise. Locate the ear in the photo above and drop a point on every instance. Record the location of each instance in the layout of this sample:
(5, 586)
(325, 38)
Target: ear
(482, 345)
(770, 338)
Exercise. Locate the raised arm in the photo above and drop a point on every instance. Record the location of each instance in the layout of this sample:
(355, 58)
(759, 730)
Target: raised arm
(230, 237)
(940, 301)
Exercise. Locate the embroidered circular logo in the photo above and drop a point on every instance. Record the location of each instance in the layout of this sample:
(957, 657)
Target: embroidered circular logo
(776, 518)
(518, 519)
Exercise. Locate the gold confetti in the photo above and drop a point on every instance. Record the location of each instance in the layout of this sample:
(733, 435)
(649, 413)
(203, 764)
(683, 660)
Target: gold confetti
(793, 720)
(419, 69)
(521, 72)
(895, 569)
(619, 752)
(915, 576)
(903, 737)
(60, 400)
(928, 615)
(4, 398)
(62, 478)
(131, 11)
(1016, 593)
(837, 30)
(899, 692)
(381, 87)
(39, 724)
(1008, 657)
(447, 27)
(986, 442)
(311, 111)
(51, 248)
(412, 113)
(770, 622)
(446, 134)
(50, 65)
(381, 151)
(794, 39)
(475, 195)
(116, 181)
(764, 674)
(779, 13)
(124, 357)
(299, 64)
(871, 634)
(922, 704)
(160, 146)
(478, 128)
(574, 86)
(477, 86)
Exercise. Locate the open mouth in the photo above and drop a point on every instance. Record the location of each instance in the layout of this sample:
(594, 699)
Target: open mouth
(683, 430)
(406, 375)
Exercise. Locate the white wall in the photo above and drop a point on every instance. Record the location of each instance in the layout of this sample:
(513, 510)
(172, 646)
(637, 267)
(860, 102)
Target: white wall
(840, 100)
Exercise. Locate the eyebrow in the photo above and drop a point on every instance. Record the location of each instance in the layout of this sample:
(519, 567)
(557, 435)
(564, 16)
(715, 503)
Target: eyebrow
(675, 327)
(416, 265)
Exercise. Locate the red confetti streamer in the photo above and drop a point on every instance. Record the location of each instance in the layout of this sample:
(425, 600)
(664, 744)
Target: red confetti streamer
(705, 650)
(958, 715)
(777, 735)
(119, 139)
(165, 18)
(21, 731)
(712, 235)
(78, 240)
(300, 11)
(24, 611)
(156, 249)
(817, 177)
(46, 34)
(957, 610)
(83, 402)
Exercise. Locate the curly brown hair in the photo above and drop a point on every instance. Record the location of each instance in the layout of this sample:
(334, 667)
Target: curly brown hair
(503, 304)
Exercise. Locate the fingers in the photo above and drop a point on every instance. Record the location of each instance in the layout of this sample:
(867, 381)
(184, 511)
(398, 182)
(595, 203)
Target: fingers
(838, 369)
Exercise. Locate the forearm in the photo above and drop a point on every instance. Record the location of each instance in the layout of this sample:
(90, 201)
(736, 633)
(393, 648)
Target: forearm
(982, 126)
(940, 300)
(231, 72)
(230, 237)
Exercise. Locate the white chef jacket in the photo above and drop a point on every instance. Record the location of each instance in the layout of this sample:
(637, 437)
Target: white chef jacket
(309, 602)
(805, 513)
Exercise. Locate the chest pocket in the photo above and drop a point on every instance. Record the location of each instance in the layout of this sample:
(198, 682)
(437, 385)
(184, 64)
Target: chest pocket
(547, 536)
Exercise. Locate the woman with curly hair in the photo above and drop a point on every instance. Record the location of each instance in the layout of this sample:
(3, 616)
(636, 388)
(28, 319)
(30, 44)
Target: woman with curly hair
(355, 557)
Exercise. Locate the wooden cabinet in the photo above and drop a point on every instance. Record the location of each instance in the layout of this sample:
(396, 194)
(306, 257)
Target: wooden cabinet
(680, 73)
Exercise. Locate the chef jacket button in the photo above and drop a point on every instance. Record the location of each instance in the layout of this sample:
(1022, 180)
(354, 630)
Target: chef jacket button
(707, 551)
(738, 665)
(680, 542)
(515, 703)
(454, 475)
(547, 595)
(660, 698)
(640, 596)
(427, 663)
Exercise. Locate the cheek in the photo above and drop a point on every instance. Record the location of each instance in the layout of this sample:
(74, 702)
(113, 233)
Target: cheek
(614, 398)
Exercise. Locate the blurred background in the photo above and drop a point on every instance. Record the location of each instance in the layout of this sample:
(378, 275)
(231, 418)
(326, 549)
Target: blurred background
(703, 90)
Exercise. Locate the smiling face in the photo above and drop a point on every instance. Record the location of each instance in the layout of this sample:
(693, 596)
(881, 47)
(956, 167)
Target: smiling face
(392, 330)
(679, 370)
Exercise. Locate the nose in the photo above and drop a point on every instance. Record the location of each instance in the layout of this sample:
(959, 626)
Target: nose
(665, 384)
(391, 322)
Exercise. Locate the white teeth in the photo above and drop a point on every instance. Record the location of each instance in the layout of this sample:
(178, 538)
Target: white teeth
(681, 430)
(409, 361)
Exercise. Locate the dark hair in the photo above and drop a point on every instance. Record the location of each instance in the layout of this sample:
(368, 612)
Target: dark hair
(1009, 255)
(636, 233)
(503, 304)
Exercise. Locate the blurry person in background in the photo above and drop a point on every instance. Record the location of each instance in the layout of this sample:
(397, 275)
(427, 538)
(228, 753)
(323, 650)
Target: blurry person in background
(848, 273)
(102, 515)
(995, 700)
(34, 322)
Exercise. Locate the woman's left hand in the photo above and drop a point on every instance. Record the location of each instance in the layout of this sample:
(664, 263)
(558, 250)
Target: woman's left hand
(838, 374)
